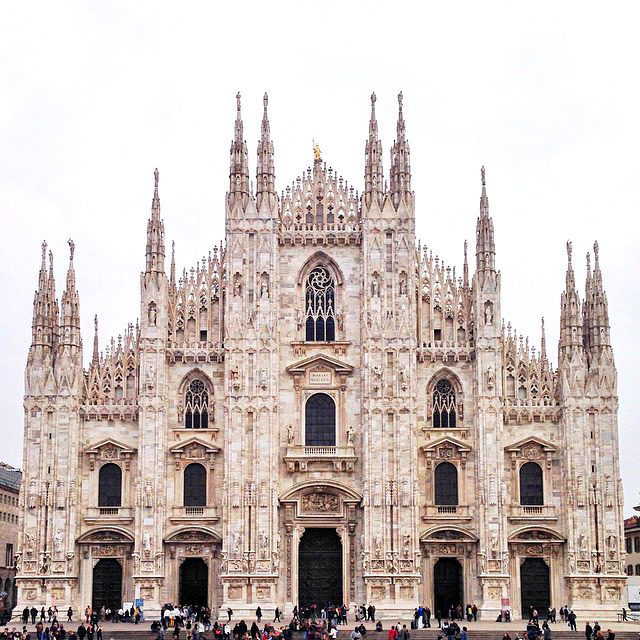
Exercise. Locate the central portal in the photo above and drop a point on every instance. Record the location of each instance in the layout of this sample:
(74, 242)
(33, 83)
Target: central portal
(194, 582)
(447, 578)
(320, 568)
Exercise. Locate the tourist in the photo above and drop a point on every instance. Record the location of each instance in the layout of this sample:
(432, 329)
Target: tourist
(474, 610)
(426, 617)
(276, 615)
(463, 635)
(571, 617)
(258, 614)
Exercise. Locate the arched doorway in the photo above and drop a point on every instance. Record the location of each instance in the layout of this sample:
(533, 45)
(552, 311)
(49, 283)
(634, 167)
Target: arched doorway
(320, 568)
(447, 585)
(194, 582)
(107, 585)
(534, 586)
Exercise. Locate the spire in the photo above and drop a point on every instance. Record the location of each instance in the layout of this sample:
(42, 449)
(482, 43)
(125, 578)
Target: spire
(597, 306)
(543, 344)
(465, 268)
(70, 334)
(400, 162)
(96, 354)
(155, 233)
(265, 173)
(54, 314)
(570, 319)
(239, 169)
(172, 278)
(373, 176)
(40, 326)
(485, 244)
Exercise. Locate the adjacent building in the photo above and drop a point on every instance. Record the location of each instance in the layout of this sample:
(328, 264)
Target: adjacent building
(9, 529)
(321, 410)
(632, 547)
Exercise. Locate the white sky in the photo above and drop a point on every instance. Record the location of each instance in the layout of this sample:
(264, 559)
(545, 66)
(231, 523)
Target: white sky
(95, 95)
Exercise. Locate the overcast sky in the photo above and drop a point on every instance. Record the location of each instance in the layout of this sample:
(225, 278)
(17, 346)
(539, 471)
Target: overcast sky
(95, 95)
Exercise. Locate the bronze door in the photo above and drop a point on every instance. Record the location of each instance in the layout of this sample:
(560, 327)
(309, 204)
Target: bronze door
(534, 586)
(107, 585)
(447, 585)
(320, 568)
(194, 582)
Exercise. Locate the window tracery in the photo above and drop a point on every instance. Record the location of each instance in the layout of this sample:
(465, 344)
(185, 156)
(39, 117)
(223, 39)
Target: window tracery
(444, 405)
(196, 406)
(320, 306)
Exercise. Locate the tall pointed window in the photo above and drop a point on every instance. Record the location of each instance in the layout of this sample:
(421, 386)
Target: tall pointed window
(531, 492)
(320, 421)
(446, 484)
(196, 406)
(195, 485)
(110, 486)
(444, 405)
(320, 312)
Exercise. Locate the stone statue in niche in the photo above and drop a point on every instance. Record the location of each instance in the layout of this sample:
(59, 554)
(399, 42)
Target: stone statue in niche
(290, 434)
(377, 545)
(57, 541)
(152, 314)
(403, 285)
(375, 288)
(350, 435)
(237, 542)
(406, 545)
(612, 545)
(148, 494)
(404, 379)
(237, 285)
(491, 377)
(263, 380)
(235, 378)
(263, 542)
(151, 377)
(488, 313)
(494, 545)
(264, 287)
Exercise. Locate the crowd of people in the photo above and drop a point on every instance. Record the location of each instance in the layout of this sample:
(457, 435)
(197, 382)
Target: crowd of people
(312, 622)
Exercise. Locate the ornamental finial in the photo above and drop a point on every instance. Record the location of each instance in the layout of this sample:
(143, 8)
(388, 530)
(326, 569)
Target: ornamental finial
(238, 100)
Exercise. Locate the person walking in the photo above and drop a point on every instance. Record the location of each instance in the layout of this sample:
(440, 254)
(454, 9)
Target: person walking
(588, 631)
(571, 617)
(276, 616)
(259, 614)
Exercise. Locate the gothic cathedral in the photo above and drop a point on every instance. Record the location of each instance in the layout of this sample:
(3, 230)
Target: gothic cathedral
(321, 411)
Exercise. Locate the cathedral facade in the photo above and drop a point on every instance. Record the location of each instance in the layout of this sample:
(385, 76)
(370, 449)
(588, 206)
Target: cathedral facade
(321, 411)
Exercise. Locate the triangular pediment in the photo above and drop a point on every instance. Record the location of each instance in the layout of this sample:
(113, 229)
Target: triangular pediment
(320, 360)
(194, 441)
(110, 444)
(447, 442)
(545, 445)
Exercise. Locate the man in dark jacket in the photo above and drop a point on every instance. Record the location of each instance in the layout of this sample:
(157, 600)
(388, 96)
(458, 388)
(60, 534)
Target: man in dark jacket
(588, 631)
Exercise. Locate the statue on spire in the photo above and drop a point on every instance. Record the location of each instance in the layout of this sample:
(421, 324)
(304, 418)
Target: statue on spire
(72, 248)
(156, 177)
(238, 100)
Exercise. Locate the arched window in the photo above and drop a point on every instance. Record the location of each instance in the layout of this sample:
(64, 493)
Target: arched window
(320, 303)
(531, 484)
(638, 569)
(629, 569)
(444, 405)
(446, 484)
(195, 486)
(110, 486)
(320, 421)
(196, 406)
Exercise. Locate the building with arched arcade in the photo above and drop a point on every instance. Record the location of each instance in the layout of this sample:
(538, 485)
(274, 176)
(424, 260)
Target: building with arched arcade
(321, 411)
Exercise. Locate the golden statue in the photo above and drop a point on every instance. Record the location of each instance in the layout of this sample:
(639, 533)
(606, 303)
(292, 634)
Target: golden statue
(316, 150)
